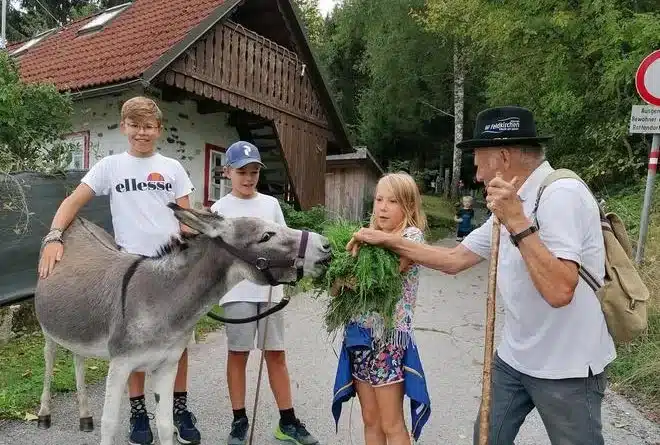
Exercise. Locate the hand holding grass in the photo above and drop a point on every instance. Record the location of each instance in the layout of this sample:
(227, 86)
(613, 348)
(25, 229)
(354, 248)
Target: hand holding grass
(377, 238)
(361, 279)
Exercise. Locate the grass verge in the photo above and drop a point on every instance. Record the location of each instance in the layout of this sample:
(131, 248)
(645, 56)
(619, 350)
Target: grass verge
(440, 216)
(22, 371)
(636, 371)
(206, 324)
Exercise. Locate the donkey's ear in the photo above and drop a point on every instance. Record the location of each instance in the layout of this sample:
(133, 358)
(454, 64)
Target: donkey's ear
(202, 222)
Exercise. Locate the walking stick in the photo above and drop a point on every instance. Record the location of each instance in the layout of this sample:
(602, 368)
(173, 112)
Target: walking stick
(484, 410)
(261, 367)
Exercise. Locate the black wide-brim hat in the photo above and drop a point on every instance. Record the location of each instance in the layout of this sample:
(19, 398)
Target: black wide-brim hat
(503, 127)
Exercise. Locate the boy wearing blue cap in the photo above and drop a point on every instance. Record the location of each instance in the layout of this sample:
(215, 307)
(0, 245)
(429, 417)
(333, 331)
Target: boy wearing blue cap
(243, 165)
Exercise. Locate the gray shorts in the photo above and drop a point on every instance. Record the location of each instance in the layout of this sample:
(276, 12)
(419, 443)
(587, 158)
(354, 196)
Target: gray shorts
(240, 337)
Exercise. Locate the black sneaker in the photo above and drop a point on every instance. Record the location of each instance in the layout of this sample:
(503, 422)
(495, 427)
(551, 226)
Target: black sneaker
(295, 433)
(185, 430)
(140, 431)
(238, 433)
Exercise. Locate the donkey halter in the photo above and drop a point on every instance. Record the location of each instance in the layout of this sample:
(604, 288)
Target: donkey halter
(264, 265)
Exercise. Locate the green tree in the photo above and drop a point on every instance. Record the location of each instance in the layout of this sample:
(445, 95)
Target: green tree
(341, 58)
(571, 62)
(32, 119)
(389, 76)
(458, 24)
(311, 16)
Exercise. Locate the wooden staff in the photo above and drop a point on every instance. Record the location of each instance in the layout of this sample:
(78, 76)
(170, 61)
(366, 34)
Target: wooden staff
(261, 364)
(484, 410)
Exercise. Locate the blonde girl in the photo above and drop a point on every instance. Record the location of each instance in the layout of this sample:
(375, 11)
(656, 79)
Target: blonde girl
(377, 373)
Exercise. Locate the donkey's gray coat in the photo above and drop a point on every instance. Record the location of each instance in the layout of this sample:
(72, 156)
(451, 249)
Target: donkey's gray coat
(81, 305)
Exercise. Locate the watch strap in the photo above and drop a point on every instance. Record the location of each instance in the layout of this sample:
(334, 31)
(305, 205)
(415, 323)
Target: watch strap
(515, 239)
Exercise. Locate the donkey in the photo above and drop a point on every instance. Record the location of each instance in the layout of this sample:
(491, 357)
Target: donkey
(139, 313)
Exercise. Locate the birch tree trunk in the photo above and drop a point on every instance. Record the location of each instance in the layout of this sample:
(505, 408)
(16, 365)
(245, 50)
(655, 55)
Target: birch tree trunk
(459, 97)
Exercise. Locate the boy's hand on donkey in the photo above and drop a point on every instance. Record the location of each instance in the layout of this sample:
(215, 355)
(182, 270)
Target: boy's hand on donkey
(51, 254)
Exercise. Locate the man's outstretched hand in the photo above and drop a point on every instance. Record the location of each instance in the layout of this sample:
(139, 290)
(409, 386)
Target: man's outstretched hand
(376, 238)
(366, 236)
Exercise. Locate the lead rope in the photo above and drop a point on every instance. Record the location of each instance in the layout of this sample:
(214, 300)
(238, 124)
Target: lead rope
(261, 367)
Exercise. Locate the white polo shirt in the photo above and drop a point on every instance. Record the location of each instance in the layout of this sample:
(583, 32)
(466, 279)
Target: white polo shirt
(537, 339)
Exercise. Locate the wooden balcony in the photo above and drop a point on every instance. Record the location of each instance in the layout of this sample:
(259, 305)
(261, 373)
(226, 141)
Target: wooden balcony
(238, 67)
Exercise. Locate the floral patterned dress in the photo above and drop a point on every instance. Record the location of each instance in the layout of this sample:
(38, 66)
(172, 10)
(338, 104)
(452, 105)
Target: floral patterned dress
(382, 364)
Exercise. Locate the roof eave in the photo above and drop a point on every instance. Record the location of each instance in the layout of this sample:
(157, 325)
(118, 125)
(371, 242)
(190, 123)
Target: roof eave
(107, 89)
(360, 155)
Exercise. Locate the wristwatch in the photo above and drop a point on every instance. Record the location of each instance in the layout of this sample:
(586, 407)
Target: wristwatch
(515, 239)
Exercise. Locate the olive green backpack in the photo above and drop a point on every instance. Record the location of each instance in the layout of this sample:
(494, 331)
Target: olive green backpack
(623, 296)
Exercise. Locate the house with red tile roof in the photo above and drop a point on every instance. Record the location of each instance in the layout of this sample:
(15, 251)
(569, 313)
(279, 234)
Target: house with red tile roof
(221, 70)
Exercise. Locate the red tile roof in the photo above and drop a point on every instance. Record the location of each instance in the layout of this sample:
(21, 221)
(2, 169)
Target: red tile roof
(128, 45)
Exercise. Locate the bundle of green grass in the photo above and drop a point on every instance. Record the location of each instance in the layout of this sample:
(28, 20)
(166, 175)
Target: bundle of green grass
(369, 282)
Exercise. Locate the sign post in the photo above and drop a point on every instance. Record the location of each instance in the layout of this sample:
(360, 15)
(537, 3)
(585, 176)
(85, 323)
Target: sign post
(3, 25)
(645, 119)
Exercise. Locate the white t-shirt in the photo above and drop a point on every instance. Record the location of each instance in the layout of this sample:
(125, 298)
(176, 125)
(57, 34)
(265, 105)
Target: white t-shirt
(260, 206)
(537, 339)
(139, 190)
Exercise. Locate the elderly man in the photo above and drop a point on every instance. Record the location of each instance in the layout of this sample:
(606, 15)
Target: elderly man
(555, 344)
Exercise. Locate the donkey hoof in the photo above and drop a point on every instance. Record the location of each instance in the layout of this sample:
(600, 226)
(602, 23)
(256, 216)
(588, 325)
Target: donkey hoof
(43, 422)
(87, 424)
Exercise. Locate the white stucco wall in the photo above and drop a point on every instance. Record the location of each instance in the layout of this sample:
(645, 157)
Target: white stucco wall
(184, 135)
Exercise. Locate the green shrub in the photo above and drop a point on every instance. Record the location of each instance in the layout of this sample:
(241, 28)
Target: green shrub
(439, 216)
(313, 219)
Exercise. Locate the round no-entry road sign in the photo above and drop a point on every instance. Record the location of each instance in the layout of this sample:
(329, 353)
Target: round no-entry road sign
(647, 79)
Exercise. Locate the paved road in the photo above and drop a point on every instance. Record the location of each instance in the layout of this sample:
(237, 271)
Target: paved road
(449, 324)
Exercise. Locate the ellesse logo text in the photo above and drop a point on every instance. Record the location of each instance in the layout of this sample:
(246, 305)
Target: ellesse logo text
(155, 181)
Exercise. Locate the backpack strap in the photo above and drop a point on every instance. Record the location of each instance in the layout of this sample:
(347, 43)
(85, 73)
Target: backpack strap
(564, 173)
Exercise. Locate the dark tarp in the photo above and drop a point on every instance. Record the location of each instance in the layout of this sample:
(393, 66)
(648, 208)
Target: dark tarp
(20, 243)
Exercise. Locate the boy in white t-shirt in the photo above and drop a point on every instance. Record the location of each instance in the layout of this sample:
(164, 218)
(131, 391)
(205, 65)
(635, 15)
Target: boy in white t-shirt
(140, 183)
(246, 299)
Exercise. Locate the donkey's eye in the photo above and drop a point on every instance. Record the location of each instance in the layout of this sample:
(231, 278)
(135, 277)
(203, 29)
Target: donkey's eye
(266, 237)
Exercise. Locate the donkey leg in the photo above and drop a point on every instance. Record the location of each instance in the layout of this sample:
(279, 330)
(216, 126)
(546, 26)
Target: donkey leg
(50, 351)
(163, 387)
(86, 421)
(115, 384)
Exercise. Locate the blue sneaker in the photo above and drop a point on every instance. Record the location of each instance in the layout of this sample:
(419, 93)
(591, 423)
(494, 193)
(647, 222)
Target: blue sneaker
(185, 430)
(140, 431)
(238, 433)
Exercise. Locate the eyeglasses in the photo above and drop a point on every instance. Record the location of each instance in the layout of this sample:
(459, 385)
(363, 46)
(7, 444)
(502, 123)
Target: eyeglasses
(148, 128)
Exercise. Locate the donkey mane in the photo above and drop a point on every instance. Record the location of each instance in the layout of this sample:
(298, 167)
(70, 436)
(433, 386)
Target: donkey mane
(175, 245)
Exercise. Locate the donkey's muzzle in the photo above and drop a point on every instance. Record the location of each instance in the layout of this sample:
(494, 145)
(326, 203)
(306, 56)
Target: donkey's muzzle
(325, 261)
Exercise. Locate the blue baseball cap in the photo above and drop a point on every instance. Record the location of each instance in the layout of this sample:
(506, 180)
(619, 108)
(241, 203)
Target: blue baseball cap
(241, 153)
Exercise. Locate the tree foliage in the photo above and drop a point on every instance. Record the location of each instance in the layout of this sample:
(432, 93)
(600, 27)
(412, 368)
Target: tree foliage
(572, 63)
(311, 16)
(392, 79)
(32, 119)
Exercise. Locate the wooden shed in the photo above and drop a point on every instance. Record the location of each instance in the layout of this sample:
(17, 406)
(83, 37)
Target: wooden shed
(350, 182)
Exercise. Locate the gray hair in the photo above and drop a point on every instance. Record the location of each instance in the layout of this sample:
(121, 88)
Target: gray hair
(532, 155)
